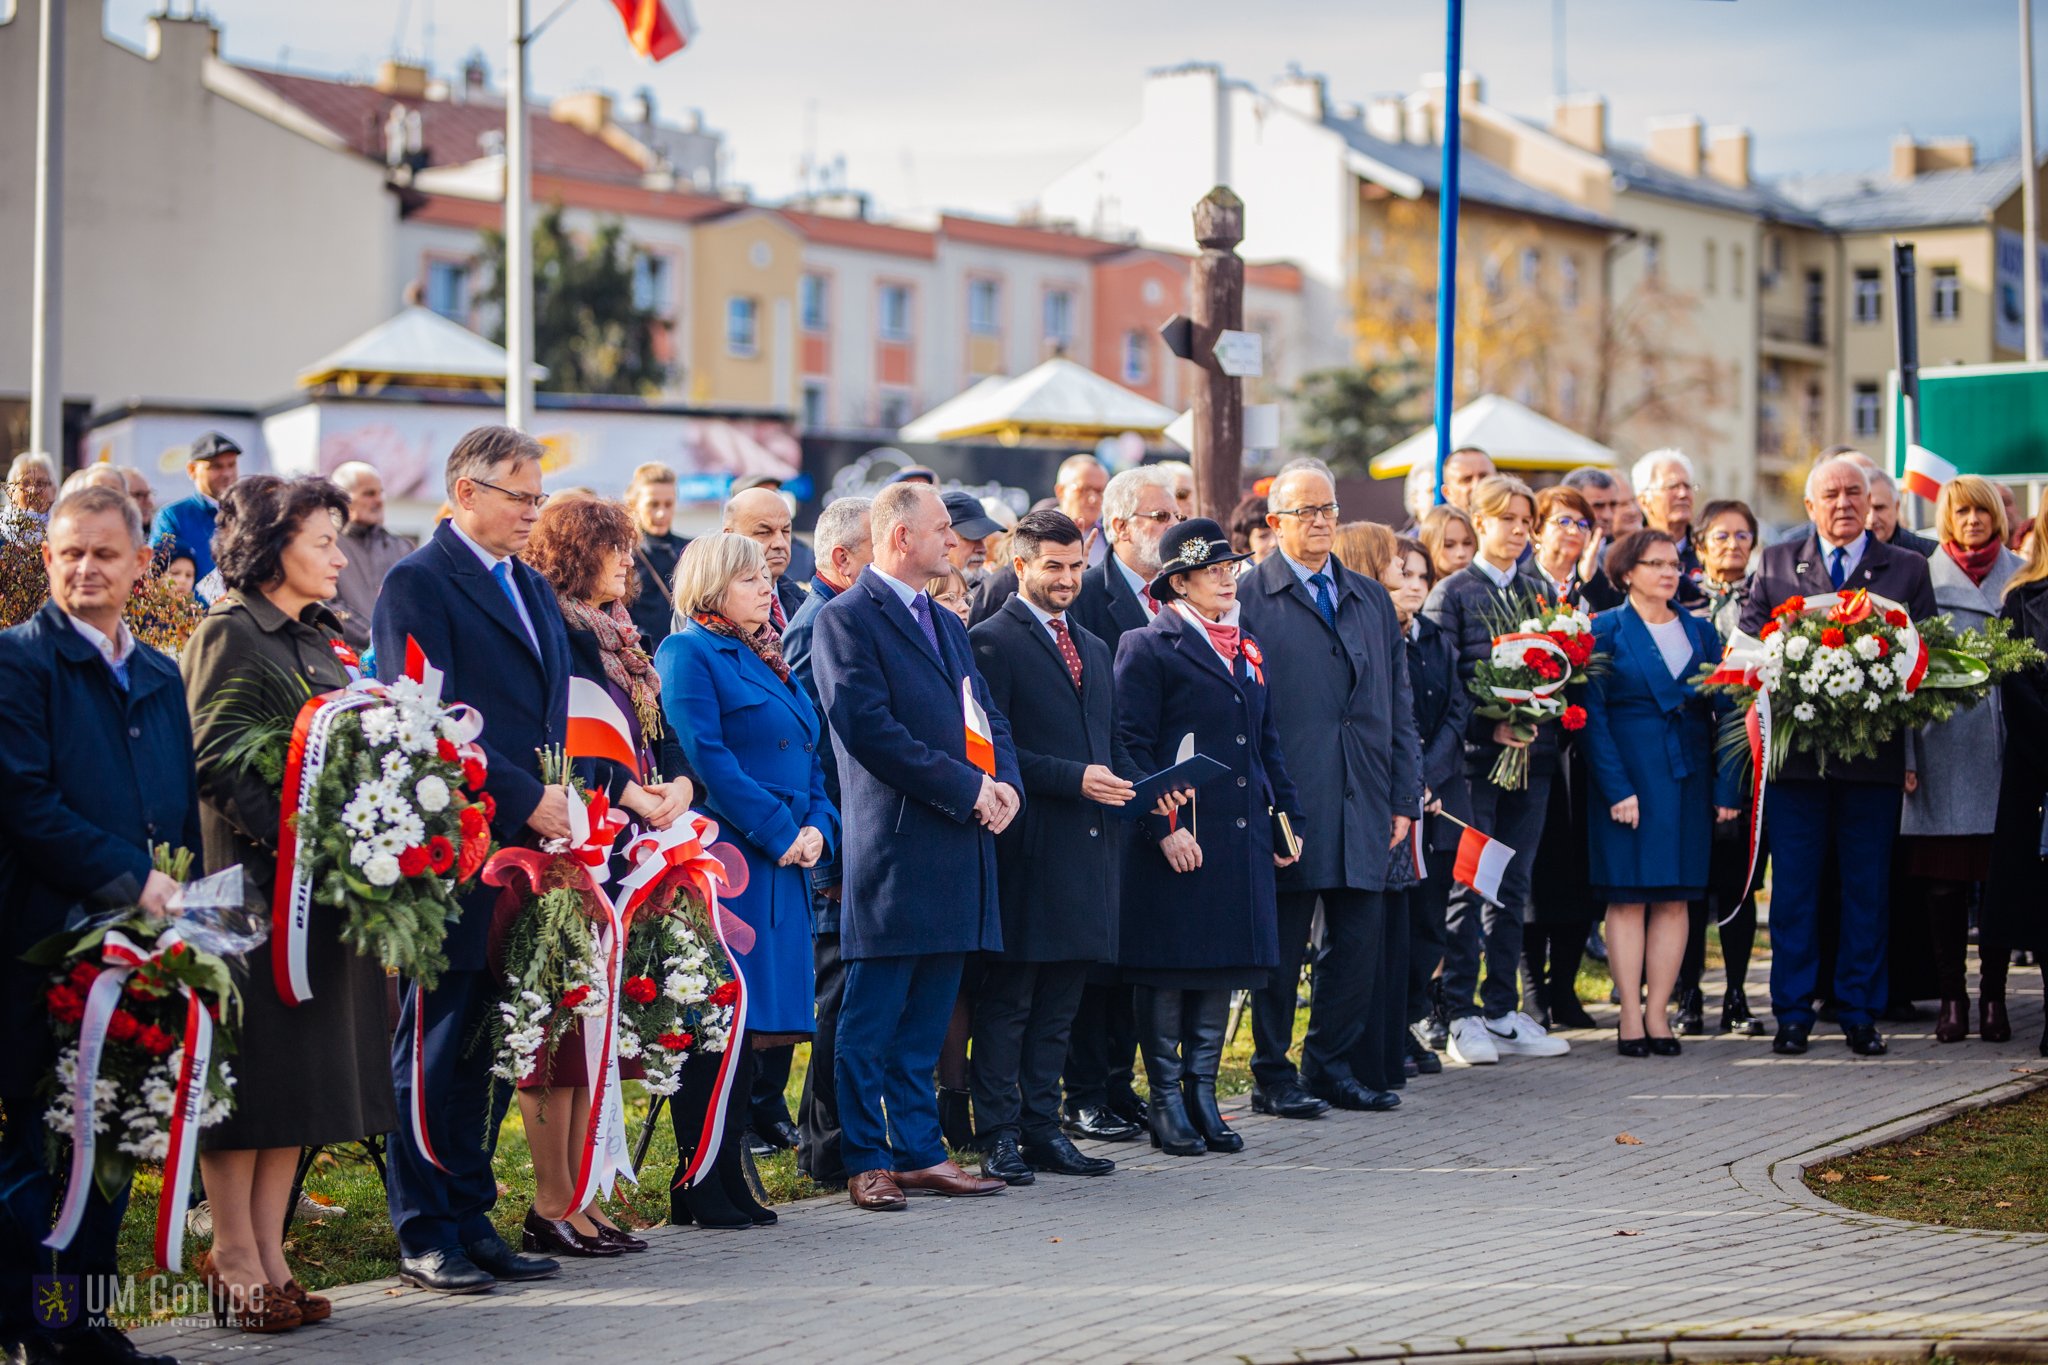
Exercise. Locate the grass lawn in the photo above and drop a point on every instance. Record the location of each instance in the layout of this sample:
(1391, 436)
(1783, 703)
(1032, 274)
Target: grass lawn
(1984, 1169)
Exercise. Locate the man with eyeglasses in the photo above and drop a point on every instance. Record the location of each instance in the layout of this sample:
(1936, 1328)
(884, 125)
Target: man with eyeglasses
(1603, 494)
(1338, 671)
(1665, 487)
(31, 488)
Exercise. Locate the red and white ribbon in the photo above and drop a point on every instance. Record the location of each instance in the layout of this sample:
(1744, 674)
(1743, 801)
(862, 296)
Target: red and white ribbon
(605, 1156)
(1530, 639)
(291, 902)
(120, 957)
(1758, 725)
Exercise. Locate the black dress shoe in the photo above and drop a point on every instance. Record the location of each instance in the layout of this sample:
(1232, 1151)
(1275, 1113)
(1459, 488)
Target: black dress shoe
(1864, 1040)
(1736, 1016)
(1665, 1047)
(100, 1345)
(1098, 1123)
(1000, 1160)
(620, 1238)
(489, 1252)
(1632, 1047)
(1062, 1157)
(1131, 1109)
(1347, 1093)
(779, 1134)
(1569, 1013)
(1289, 1099)
(1692, 1013)
(560, 1237)
(757, 1145)
(1791, 1039)
(445, 1272)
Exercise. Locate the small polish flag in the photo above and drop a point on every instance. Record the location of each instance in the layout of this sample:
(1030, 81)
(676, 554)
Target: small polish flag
(597, 727)
(1415, 849)
(1926, 472)
(654, 33)
(1481, 861)
(419, 670)
(981, 741)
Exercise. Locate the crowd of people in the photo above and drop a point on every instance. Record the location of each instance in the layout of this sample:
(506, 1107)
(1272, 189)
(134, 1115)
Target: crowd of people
(934, 744)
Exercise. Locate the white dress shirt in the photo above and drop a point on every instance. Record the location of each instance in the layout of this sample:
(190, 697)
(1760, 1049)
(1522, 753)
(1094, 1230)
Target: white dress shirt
(903, 590)
(1045, 618)
(1139, 586)
(1502, 578)
(1849, 561)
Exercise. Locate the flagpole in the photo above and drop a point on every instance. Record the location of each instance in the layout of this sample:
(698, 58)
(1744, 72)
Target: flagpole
(1447, 236)
(46, 359)
(518, 236)
(2030, 266)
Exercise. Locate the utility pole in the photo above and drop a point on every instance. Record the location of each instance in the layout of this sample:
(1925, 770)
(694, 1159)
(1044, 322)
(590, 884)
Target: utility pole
(1219, 308)
(518, 236)
(46, 356)
(2029, 192)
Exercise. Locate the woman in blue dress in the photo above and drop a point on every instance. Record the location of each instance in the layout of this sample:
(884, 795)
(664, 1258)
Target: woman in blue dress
(1649, 742)
(751, 734)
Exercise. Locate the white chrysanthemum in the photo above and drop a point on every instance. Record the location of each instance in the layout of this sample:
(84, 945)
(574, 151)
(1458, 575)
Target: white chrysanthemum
(1880, 676)
(361, 851)
(1872, 701)
(1796, 648)
(1774, 648)
(432, 794)
(1804, 711)
(396, 766)
(380, 724)
(1870, 646)
(1768, 673)
(381, 870)
(1533, 627)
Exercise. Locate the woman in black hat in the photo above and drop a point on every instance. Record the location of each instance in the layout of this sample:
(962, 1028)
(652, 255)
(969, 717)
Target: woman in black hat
(1198, 911)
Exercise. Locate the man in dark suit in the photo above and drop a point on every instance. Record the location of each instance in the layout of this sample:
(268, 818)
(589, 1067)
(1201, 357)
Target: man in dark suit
(920, 820)
(1884, 518)
(1057, 868)
(1347, 725)
(1854, 809)
(761, 514)
(95, 766)
(490, 624)
(845, 545)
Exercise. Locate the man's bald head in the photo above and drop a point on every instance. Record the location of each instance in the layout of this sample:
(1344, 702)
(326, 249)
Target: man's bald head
(760, 514)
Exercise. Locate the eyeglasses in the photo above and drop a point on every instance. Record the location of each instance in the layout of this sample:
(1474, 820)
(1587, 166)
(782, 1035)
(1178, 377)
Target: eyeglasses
(1679, 487)
(1321, 512)
(1671, 564)
(1159, 518)
(534, 500)
(1571, 523)
(1730, 538)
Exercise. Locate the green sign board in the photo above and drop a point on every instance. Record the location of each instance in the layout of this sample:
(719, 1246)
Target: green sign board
(1983, 419)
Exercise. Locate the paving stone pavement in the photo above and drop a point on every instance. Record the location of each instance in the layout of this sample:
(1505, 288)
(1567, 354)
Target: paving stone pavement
(1488, 1212)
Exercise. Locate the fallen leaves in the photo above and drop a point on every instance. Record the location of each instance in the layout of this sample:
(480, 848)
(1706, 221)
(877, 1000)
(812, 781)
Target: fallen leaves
(1055, 1239)
(1832, 1177)
(503, 1189)
(1627, 1232)
(1877, 1177)
(2004, 1204)
(1629, 1140)
(393, 1293)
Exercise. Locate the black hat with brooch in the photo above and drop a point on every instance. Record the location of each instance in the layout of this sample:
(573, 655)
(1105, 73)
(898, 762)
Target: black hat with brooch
(1192, 544)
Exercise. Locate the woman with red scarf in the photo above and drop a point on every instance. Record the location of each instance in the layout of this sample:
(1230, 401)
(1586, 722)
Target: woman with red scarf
(1198, 916)
(1951, 806)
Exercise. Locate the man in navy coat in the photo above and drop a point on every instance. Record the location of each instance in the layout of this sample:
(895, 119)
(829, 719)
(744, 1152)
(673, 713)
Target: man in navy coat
(1854, 808)
(95, 766)
(490, 624)
(920, 820)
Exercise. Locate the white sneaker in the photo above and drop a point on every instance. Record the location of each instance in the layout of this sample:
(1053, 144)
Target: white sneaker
(1471, 1043)
(1518, 1035)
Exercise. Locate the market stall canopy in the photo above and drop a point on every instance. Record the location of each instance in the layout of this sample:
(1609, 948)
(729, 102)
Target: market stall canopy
(418, 349)
(1058, 401)
(1514, 436)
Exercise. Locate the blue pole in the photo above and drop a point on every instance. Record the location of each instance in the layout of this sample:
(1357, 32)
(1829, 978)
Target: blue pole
(1447, 240)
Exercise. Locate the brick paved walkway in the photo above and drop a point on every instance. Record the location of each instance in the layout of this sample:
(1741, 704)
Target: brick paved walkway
(1485, 1213)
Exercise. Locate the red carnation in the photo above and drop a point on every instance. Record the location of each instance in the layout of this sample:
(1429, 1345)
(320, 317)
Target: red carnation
(1770, 629)
(1832, 638)
(67, 1006)
(473, 821)
(573, 997)
(1896, 619)
(641, 989)
(676, 1042)
(440, 853)
(446, 751)
(123, 1026)
(414, 862)
(83, 975)
(155, 1040)
(142, 988)
(1883, 646)
(1791, 606)
(490, 806)
(1574, 718)
(473, 773)
(725, 995)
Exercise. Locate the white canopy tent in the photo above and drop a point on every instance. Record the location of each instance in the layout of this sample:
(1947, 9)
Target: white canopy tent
(419, 349)
(1058, 401)
(1514, 436)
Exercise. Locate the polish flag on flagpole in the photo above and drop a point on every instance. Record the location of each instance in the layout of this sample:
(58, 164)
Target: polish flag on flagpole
(1481, 861)
(1415, 850)
(597, 727)
(981, 741)
(1926, 472)
(653, 31)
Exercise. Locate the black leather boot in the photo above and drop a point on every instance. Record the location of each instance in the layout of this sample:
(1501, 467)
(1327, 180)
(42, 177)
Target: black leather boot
(1736, 1016)
(956, 1118)
(1692, 1013)
(1204, 1055)
(705, 1203)
(739, 1190)
(1159, 1039)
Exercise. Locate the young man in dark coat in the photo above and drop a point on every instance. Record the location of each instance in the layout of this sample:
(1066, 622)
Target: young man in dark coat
(1057, 867)
(95, 766)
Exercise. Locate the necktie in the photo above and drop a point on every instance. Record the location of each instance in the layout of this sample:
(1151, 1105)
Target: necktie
(1151, 605)
(1068, 654)
(503, 573)
(1321, 583)
(921, 608)
(775, 616)
(1836, 570)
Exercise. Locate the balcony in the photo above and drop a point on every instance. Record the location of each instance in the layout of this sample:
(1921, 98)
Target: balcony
(1793, 336)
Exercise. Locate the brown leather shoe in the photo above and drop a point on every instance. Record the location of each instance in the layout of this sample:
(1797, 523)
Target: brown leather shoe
(312, 1307)
(1992, 1024)
(1954, 1025)
(875, 1191)
(948, 1179)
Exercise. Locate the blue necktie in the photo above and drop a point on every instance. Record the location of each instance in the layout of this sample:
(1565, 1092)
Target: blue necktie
(1837, 570)
(503, 573)
(921, 608)
(1323, 602)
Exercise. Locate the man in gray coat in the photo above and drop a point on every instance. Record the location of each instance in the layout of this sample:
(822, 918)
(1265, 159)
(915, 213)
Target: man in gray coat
(1338, 673)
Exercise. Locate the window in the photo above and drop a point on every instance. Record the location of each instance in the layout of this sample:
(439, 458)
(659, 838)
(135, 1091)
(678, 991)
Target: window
(1568, 395)
(1059, 318)
(811, 302)
(895, 409)
(984, 308)
(1490, 275)
(1736, 284)
(1137, 358)
(1867, 410)
(1774, 260)
(1869, 296)
(814, 404)
(448, 289)
(1653, 253)
(1531, 264)
(1816, 307)
(1948, 294)
(651, 274)
(1713, 265)
(893, 313)
(1568, 273)
(742, 326)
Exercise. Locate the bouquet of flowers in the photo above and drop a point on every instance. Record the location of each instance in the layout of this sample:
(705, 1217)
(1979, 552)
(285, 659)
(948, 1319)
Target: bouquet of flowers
(1534, 659)
(137, 1003)
(1856, 671)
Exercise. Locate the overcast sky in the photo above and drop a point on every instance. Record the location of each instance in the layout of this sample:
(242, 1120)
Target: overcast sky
(965, 104)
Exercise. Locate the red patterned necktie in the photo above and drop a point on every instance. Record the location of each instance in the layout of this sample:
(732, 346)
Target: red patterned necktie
(1070, 655)
(775, 615)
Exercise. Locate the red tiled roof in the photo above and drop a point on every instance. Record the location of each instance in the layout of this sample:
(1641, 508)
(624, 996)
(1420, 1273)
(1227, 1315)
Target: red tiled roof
(862, 235)
(1280, 275)
(1020, 237)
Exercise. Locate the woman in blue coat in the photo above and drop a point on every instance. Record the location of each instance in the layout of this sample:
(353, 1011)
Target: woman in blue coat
(1649, 743)
(751, 734)
(1198, 918)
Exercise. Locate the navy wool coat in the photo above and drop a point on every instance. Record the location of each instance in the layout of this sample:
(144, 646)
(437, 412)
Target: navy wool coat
(1443, 707)
(90, 776)
(441, 596)
(1468, 607)
(1171, 682)
(920, 869)
(796, 652)
(1342, 704)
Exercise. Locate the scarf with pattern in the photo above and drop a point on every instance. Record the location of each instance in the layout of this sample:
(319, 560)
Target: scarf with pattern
(625, 663)
(765, 643)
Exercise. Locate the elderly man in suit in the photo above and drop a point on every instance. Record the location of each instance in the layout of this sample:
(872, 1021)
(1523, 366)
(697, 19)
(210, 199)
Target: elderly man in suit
(490, 623)
(1854, 809)
(845, 546)
(95, 766)
(760, 514)
(1339, 676)
(920, 815)
(1057, 868)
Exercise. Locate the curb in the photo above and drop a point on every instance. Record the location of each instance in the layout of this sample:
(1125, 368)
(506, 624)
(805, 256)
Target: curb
(1701, 1351)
